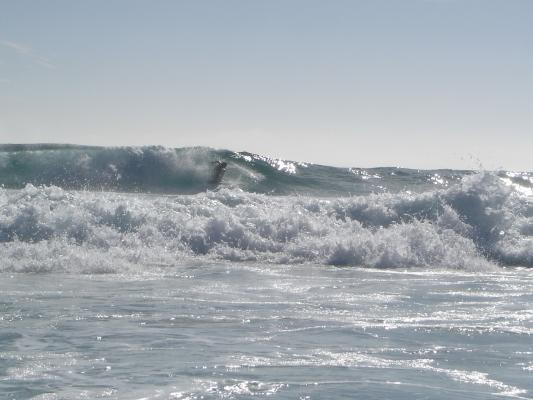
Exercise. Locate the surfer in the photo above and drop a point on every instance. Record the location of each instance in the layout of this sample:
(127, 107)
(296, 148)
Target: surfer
(218, 173)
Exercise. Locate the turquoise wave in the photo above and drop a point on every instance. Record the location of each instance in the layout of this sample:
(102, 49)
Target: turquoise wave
(155, 169)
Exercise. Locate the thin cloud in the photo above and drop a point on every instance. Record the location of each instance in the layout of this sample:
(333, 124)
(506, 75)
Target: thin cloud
(28, 53)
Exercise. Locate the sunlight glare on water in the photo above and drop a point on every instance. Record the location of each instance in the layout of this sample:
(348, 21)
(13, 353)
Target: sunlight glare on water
(223, 330)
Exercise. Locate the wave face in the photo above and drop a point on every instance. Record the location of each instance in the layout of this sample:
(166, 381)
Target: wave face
(125, 169)
(189, 170)
(393, 218)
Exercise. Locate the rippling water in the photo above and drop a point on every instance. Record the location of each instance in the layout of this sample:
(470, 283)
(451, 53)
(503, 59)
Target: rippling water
(219, 330)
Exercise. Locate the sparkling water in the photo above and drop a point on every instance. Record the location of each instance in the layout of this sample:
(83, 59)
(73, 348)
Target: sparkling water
(225, 330)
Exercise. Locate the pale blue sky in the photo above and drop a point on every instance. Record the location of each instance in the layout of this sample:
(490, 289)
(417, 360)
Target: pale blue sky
(418, 83)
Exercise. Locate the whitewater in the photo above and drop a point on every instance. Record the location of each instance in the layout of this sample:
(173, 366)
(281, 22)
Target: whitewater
(126, 274)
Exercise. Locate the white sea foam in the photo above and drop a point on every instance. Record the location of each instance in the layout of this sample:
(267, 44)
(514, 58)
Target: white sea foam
(469, 226)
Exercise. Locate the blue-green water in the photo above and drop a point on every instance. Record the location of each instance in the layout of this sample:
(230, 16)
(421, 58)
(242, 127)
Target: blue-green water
(125, 274)
(188, 170)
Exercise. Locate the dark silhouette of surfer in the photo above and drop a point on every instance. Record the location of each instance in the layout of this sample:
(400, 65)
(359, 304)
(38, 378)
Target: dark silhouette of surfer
(218, 173)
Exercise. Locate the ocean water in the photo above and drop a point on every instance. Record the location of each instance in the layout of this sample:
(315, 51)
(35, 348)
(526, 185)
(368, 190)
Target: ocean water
(125, 274)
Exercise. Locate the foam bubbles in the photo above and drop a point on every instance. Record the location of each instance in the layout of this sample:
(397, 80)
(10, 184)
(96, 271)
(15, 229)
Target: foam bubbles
(472, 226)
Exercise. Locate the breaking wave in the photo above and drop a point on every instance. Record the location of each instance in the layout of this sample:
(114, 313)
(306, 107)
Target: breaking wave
(480, 222)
